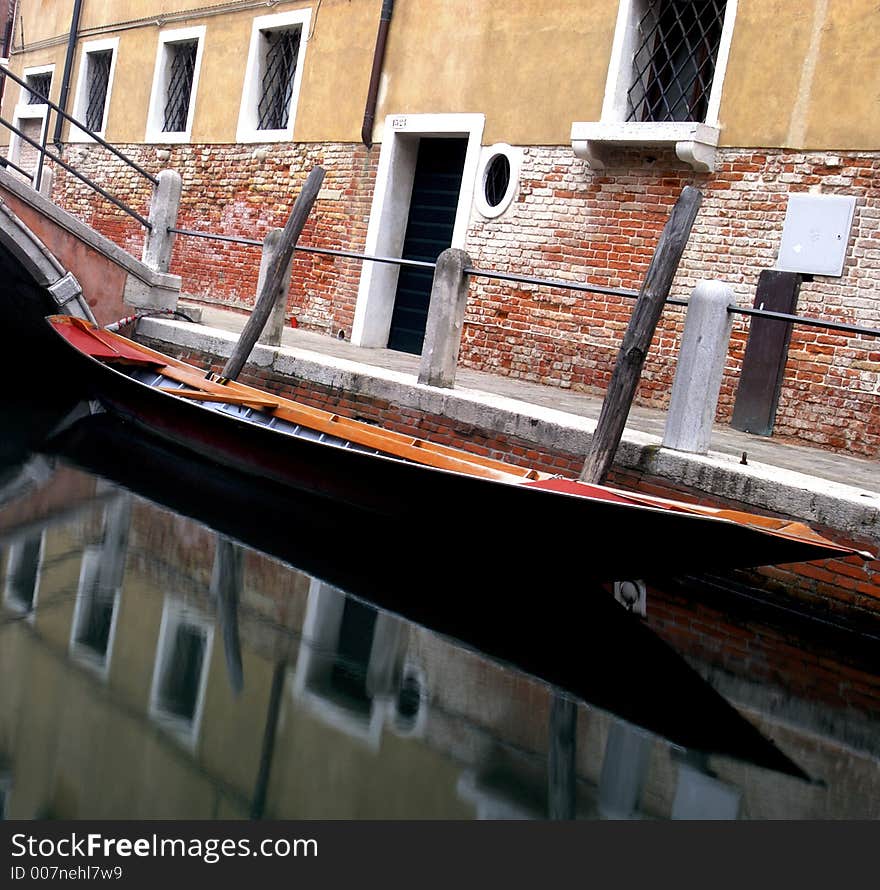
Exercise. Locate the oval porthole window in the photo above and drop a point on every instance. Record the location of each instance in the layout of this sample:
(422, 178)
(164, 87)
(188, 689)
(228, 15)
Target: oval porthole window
(497, 180)
(500, 173)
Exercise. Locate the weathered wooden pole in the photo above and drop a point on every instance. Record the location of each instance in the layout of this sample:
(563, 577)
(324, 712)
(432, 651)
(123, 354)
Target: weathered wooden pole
(561, 758)
(271, 335)
(226, 584)
(638, 336)
(276, 274)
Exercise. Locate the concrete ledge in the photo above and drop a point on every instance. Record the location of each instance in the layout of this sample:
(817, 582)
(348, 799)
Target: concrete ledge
(147, 277)
(847, 509)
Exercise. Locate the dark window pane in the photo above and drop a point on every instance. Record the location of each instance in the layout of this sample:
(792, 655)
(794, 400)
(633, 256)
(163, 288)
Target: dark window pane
(497, 180)
(23, 573)
(674, 65)
(98, 79)
(180, 683)
(349, 672)
(39, 86)
(281, 52)
(94, 628)
(183, 66)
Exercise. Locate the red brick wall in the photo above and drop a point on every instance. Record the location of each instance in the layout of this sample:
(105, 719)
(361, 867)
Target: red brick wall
(565, 223)
(230, 190)
(743, 642)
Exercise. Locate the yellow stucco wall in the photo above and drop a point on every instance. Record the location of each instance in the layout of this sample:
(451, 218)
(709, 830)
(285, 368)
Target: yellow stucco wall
(802, 73)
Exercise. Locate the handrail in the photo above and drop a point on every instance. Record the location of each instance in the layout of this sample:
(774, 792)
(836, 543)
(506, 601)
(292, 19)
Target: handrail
(807, 321)
(62, 163)
(5, 162)
(5, 71)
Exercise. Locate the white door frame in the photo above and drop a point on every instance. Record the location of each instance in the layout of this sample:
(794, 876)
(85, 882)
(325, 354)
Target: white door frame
(390, 211)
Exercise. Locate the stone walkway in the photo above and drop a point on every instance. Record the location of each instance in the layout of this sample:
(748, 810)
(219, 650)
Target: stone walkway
(847, 470)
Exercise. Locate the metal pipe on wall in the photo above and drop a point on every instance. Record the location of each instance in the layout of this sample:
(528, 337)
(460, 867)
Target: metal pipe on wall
(68, 70)
(376, 72)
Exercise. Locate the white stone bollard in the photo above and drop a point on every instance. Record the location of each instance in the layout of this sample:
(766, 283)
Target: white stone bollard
(701, 359)
(445, 319)
(163, 216)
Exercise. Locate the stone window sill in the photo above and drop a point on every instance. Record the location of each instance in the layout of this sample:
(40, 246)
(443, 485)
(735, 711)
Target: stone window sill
(694, 143)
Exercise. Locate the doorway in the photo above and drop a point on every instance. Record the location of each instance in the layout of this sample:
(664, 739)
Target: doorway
(429, 229)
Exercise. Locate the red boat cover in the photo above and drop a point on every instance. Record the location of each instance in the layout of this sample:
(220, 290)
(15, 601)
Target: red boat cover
(100, 344)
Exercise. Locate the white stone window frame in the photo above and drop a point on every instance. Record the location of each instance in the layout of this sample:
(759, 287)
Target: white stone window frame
(487, 156)
(159, 90)
(80, 103)
(695, 142)
(24, 112)
(89, 574)
(174, 613)
(248, 116)
(317, 653)
(389, 212)
(12, 556)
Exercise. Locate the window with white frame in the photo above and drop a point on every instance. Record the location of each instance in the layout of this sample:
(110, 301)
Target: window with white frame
(97, 608)
(347, 666)
(39, 85)
(175, 85)
(23, 574)
(29, 116)
(180, 673)
(674, 61)
(273, 77)
(94, 86)
(664, 80)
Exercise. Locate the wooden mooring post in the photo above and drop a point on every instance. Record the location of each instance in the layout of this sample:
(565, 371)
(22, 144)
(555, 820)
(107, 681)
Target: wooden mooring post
(276, 273)
(561, 759)
(638, 336)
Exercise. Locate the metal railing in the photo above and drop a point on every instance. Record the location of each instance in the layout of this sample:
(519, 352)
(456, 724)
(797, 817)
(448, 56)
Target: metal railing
(583, 287)
(44, 152)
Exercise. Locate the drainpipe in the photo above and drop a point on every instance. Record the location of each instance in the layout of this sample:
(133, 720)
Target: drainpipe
(68, 70)
(378, 57)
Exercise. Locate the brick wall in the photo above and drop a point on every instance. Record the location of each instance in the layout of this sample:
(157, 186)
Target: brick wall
(565, 223)
(235, 190)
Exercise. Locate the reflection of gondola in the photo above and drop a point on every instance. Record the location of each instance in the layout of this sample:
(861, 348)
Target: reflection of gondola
(506, 508)
(536, 616)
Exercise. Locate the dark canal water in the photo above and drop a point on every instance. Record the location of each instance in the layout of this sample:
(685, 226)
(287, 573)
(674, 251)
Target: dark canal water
(177, 644)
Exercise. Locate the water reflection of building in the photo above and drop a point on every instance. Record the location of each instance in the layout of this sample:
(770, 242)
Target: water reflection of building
(145, 684)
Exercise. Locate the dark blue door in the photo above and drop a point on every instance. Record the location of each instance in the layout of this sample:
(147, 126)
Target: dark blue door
(436, 189)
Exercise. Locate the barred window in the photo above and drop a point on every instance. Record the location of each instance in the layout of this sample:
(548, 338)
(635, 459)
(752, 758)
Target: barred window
(180, 81)
(39, 86)
(97, 81)
(175, 85)
(273, 76)
(281, 51)
(674, 62)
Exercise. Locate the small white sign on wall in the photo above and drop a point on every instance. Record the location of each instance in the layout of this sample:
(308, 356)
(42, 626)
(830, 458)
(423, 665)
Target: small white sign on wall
(816, 233)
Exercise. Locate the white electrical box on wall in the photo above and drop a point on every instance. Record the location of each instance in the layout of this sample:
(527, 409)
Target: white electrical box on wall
(816, 233)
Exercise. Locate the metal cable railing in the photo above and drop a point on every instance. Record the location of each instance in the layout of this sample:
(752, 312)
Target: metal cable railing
(70, 169)
(580, 286)
(4, 71)
(43, 151)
